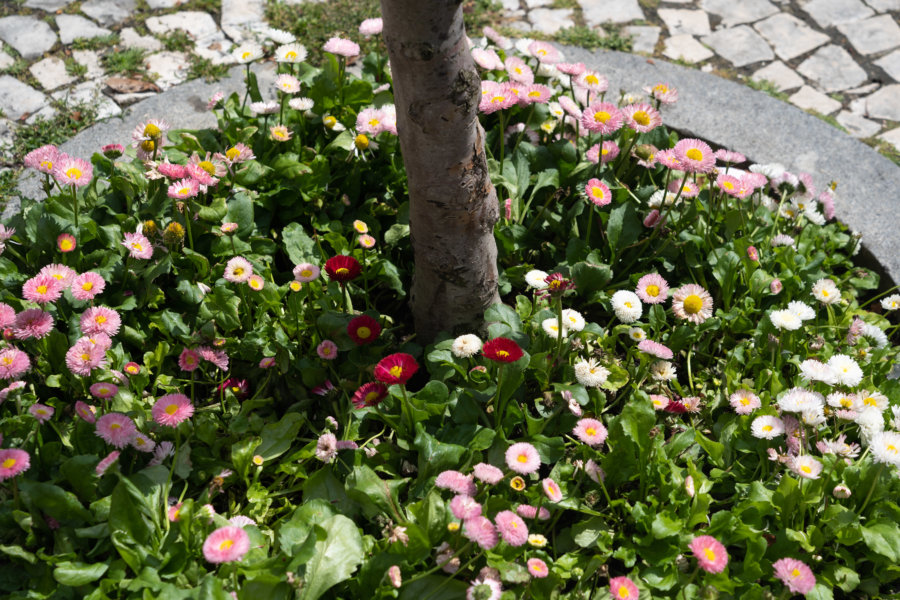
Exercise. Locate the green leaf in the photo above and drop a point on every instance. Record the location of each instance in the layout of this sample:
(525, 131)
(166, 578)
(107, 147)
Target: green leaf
(292, 533)
(76, 573)
(55, 501)
(373, 492)
(624, 226)
(240, 211)
(336, 558)
(883, 537)
(300, 247)
(434, 587)
(435, 455)
(712, 447)
(278, 437)
(288, 165)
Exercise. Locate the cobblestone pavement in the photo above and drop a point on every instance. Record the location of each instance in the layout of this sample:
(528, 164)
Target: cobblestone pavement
(839, 58)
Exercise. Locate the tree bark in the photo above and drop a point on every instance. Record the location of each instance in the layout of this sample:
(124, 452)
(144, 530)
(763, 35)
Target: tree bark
(453, 206)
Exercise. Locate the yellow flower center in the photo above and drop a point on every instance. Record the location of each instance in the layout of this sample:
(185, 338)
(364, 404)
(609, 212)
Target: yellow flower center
(363, 332)
(85, 356)
(693, 304)
(361, 141)
(661, 88)
(41, 289)
(592, 79)
(602, 116)
(185, 191)
(246, 55)
(522, 458)
(641, 118)
(374, 122)
(256, 284)
(306, 273)
(148, 145)
(342, 271)
(226, 545)
(291, 55)
(396, 370)
(151, 130)
(73, 172)
(709, 554)
(745, 401)
(47, 164)
(767, 428)
(371, 397)
(66, 245)
(652, 290)
(115, 426)
(502, 353)
(207, 166)
(694, 154)
(235, 389)
(232, 153)
(99, 319)
(728, 185)
(498, 99)
(806, 469)
(590, 431)
(846, 402)
(597, 192)
(870, 401)
(795, 573)
(295, 286)
(171, 409)
(239, 271)
(329, 122)
(623, 592)
(9, 463)
(892, 448)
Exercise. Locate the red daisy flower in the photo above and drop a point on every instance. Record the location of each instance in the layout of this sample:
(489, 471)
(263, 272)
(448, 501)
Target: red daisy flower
(363, 329)
(396, 368)
(502, 350)
(369, 394)
(342, 268)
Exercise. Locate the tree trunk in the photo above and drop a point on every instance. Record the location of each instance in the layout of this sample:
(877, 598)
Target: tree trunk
(453, 206)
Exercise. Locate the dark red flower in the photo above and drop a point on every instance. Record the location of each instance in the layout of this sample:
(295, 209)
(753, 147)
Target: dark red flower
(239, 387)
(342, 268)
(363, 329)
(324, 389)
(502, 349)
(396, 368)
(675, 406)
(557, 285)
(369, 394)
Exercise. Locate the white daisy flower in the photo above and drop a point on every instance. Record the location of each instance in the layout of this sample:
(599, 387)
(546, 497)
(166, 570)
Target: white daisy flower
(247, 53)
(637, 334)
(551, 328)
(662, 370)
(536, 279)
(826, 291)
(845, 370)
(813, 370)
(572, 320)
(465, 346)
(885, 447)
(892, 302)
(803, 311)
(590, 374)
(767, 427)
(627, 306)
(785, 319)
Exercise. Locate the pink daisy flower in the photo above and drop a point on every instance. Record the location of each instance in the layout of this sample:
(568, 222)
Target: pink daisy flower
(370, 121)
(487, 59)
(116, 429)
(12, 462)
(571, 68)
(456, 482)
(72, 171)
(729, 184)
(226, 544)
(464, 507)
(63, 274)
(552, 490)
(238, 270)
(518, 71)
(655, 349)
(184, 188)
(590, 431)
(481, 531)
(138, 245)
(32, 323)
(341, 47)
(267, 362)
(795, 575)
(669, 159)
(87, 412)
(41, 412)
(545, 52)
(104, 390)
(641, 117)
(305, 272)
(100, 319)
(536, 94)
(592, 81)
(142, 443)
(217, 357)
(42, 289)
(189, 360)
(511, 527)
(5, 392)
(744, 402)
(688, 188)
(66, 242)
(603, 154)
(570, 106)
(695, 155)
(537, 568)
(132, 368)
(497, 97)
(652, 289)
(42, 159)
(327, 350)
(727, 156)
(172, 409)
(711, 554)
(106, 463)
(598, 192)
(87, 286)
(692, 303)
(659, 402)
(7, 315)
(171, 170)
(603, 118)
(527, 511)
(663, 92)
(371, 27)
(13, 363)
(622, 588)
(488, 474)
(523, 458)
(112, 151)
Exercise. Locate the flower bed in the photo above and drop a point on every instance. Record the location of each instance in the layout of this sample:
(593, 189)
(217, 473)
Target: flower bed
(213, 386)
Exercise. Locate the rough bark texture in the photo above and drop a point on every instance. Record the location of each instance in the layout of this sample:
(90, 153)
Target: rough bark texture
(453, 206)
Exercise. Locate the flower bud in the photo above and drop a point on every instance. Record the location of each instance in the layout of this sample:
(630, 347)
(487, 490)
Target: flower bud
(775, 287)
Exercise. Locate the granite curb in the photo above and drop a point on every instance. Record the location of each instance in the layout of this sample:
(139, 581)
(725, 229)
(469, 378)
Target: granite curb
(720, 111)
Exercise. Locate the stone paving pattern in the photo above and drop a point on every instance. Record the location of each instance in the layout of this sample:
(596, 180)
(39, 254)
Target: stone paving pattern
(839, 58)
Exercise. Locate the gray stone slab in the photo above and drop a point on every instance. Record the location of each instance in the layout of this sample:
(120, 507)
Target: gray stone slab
(863, 89)
(130, 38)
(885, 103)
(833, 69)
(857, 126)
(157, 4)
(197, 24)
(871, 36)
(892, 137)
(891, 64)
(30, 36)
(240, 17)
(169, 68)
(739, 45)
(737, 13)
(716, 109)
(7, 135)
(683, 21)
(808, 98)
(109, 12)
(89, 60)
(780, 75)
(45, 113)
(48, 5)
(51, 73)
(789, 36)
(621, 11)
(6, 61)
(828, 13)
(550, 20)
(884, 5)
(18, 99)
(685, 47)
(91, 93)
(537, 3)
(643, 37)
(509, 5)
(215, 48)
(73, 27)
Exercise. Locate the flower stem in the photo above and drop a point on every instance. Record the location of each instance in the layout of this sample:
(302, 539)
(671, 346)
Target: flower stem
(871, 489)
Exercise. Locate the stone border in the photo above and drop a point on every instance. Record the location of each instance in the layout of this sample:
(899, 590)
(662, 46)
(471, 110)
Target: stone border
(709, 107)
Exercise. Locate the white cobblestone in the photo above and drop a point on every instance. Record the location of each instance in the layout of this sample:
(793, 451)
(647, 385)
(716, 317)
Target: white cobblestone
(856, 125)
(739, 12)
(828, 13)
(739, 45)
(620, 11)
(682, 21)
(171, 68)
(884, 5)
(239, 17)
(156, 4)
(29, 36)
(783, 77)
(789, 36)
(197, 24)
(109, 12)
(73, 27)
(130, 38)
(883, 104)
(833, 69)
(891, 64)
(685, 47)
(6, 60)
(89, 92)
(48, 5)
(809, 99)
(91, 61)
(51, 73)
(18, 99)
(892, 137)
(551, 20)
(874, 35)
(644, 37)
